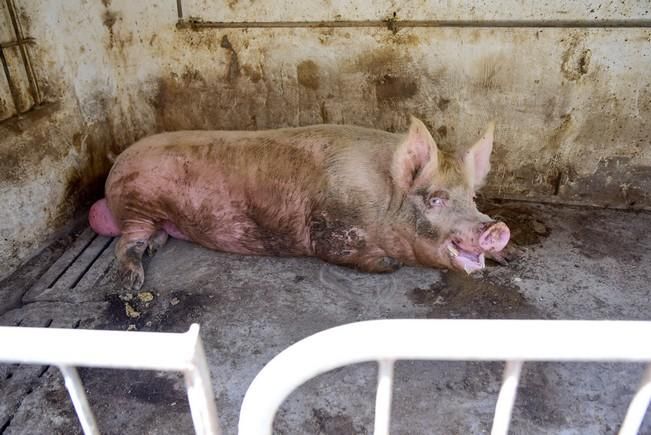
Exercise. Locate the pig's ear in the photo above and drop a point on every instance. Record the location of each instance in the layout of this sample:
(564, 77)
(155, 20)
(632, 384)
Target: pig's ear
(416, 159)
(476, 160)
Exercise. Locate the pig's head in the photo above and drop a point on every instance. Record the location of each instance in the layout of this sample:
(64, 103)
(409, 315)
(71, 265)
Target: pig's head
(438, 212)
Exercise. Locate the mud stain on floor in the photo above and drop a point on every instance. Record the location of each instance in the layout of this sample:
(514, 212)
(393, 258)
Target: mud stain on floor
(148, 310)
(595, 242)
(324, 423)
(526, 228)
(462, 296)
(141, 385)
(537, 397)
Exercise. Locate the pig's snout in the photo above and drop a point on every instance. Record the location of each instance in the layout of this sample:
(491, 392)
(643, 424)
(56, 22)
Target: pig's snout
(494, 237)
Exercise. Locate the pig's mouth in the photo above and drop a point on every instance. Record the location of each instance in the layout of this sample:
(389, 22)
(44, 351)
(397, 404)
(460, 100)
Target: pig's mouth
(465, 260)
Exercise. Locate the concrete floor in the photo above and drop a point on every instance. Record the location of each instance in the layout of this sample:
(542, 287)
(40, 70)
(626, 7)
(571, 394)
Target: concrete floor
(577, 264)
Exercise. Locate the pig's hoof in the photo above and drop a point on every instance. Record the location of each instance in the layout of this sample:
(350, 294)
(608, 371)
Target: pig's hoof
(383, 265)
(132, 276)
(156, 242)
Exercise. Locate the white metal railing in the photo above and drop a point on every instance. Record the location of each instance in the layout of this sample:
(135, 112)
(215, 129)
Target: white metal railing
(70, 348)
(386, 341)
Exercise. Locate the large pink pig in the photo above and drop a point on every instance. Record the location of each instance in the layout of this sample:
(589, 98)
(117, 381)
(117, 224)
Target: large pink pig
(349, 195)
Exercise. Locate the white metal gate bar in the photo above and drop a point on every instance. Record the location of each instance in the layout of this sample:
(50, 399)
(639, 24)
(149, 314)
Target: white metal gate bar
(506, 397)
(78, 396)
(383, 397)
(513, 341)
(638, 406)
(70, 348)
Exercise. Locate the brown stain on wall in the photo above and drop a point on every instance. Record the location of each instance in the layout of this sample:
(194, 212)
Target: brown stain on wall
(307, 73)
(325, 118)
(390, 71)
(203, 100)
(233, 70)
(379, 61)
(85, 182)
(489, 72)
(17, 162)
(592, 151)
(252, 73)
(4, 109)
(109, 18)
(576, 58)
(443, 103)
(559, 134)
(406, 37)
(390, 88)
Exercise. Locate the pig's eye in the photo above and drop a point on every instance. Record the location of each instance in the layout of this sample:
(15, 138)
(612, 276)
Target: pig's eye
(437, 199)
(436, 202)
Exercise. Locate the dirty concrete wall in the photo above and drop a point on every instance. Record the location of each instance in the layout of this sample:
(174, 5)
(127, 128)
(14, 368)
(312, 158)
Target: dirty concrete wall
(571, 103)
(54, 159)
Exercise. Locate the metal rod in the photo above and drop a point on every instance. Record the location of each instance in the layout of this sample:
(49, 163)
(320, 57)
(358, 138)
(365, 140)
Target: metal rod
(12, 88)
(383, 397)
(117, 349)
(638, 406)
(79, 400)
(200, 393)
(179, 9)
(506, 398)
(416, 339)
(36, 93)
(395, 24)
(93, 348)
(10, 44)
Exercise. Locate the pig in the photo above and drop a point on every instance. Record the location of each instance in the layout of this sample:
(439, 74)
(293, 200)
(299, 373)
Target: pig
(349, 195)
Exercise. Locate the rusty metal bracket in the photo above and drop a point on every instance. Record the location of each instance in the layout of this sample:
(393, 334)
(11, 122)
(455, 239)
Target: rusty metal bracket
(21, 43)
(10, 44)
(20, 40)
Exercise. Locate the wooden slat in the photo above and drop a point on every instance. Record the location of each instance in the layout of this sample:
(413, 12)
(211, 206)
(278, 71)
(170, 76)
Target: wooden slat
(60, 266)
(82, 264)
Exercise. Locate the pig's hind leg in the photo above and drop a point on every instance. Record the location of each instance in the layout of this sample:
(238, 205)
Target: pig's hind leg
(156, 241)
(129, 250)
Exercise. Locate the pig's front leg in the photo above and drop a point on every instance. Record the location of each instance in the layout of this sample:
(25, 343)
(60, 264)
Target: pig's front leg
(347, 246)
(363, 261)
(376, 263)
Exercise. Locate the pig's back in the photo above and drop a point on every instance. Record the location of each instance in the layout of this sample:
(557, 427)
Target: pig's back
(292, 155)
(247, 192)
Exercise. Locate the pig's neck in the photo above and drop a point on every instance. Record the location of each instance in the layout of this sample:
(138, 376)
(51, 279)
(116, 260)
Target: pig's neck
(394, 233)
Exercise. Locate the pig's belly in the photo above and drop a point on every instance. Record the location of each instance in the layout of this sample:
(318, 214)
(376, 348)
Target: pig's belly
(231, 230)
(173, 231)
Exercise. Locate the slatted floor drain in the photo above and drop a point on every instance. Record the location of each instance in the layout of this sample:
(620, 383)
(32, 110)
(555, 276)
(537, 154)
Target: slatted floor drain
(19, 381)
(80, 267)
